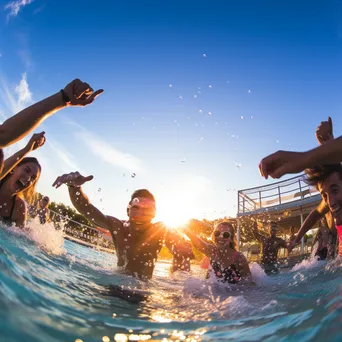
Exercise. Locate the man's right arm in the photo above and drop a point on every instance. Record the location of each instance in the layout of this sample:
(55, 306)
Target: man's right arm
(256, 233)
(82, 204)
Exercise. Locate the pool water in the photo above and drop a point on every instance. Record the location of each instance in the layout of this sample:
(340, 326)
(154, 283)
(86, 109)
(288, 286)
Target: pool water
(55, 290)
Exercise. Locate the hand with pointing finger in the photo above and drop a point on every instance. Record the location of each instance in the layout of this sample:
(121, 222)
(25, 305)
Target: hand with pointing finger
(78, 93)
(73, 179)
(324, 131)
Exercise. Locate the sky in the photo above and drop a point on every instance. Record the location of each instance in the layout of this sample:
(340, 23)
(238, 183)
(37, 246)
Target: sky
(196, 93)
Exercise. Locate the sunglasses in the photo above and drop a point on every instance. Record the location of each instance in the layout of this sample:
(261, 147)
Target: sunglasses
(226, 235)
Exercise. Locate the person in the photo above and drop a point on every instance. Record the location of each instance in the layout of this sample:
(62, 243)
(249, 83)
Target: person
(137, 241)
(41, 209)
(17, 182)
(324, 134)
(17, 189)
(225, 262)
(328, 181)
(323, 237)
(76, 93)
(270, 248)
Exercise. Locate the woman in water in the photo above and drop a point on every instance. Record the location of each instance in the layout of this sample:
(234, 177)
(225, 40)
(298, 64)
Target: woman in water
(18, 180)
(226, 263)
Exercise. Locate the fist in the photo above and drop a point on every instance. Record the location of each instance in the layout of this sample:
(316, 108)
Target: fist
(324, 131)
(37, 140)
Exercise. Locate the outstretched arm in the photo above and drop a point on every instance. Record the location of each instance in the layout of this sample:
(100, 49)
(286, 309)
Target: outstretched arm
(76, 93)
(203, 246)
(80, 201)
(257, 234)
(10, 163)
(308, 224)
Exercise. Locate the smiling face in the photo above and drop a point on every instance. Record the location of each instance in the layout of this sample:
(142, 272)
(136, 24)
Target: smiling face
(44, 202)
(331, 192)
(273, 230)
(141, 210)
(223, 235)
(23, 176)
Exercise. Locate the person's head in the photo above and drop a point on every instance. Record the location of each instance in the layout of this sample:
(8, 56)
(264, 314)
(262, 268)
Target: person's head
(328, 181)
(142, 207)
(24, 177)
(224, 235)
(273, 229)
(44, 202)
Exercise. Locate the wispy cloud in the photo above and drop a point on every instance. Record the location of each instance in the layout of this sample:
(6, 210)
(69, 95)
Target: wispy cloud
(15, 6)
(104, 150)
(20, 99)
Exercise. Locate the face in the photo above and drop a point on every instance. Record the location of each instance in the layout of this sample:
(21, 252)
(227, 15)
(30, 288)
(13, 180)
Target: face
(141, 210)
(24, 176)
(223, 235)
(44, 202)
(273, 230)
(331, 192)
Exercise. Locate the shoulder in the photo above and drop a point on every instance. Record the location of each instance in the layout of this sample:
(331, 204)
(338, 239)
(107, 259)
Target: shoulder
(114, 222)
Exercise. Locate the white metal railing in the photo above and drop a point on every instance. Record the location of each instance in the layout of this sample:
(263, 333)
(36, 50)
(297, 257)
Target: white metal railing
(290, 190)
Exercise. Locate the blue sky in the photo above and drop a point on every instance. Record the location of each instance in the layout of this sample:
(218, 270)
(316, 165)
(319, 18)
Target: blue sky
(196, 92)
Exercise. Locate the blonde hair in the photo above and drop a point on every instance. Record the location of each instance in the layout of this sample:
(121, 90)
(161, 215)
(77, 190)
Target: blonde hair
(233, 242)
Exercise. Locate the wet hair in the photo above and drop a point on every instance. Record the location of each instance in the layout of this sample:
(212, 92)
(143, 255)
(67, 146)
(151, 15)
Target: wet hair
(233, 242)
(318, 174)
(144, 193)
(29, 193)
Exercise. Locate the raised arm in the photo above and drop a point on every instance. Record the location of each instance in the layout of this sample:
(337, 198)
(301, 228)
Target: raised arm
(308, 224)
(324, 132)
(76, 93)
(36, 141)
(203, 246)
(257, 234)
(80, 201)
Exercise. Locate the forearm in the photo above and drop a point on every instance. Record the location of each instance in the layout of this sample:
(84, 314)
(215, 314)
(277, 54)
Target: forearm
(199, 243)
(83, 205)
(11, 162)
(19, 125)
(328, 153)
(308, 224)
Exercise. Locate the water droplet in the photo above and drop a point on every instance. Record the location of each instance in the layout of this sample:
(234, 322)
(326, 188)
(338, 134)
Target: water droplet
(78, 193)
(241, 117)
(133, 175)
(180, 97)
(209, 113)
(99, 190)
(277, 141)
(200, 111)
(249, 91)
(115, 232)
(252, 117)
(123, 175)
(195, 96)
(183, 160)
(204, 55)
(210, 86)
(142, 118)
(170, 85)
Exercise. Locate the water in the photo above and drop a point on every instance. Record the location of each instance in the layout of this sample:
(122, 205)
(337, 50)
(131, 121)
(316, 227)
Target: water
(51, 290)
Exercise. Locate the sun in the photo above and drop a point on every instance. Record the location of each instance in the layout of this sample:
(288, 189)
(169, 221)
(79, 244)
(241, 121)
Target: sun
(174, 211)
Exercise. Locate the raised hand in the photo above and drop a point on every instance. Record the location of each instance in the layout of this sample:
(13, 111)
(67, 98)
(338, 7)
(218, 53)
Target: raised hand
(80, 93)
(73, 179)
(37, 140)
(282, 162)
(324, 131)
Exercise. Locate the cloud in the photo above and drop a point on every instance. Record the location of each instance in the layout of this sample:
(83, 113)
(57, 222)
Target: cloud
(108, 153)
(105, 151)
(21, 98)
(14, 7)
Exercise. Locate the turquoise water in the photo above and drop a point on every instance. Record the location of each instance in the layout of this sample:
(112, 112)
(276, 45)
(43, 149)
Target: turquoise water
(48, 294)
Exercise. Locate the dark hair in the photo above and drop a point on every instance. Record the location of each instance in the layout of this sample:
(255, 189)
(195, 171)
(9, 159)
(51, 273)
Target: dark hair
(144, 193)
(28, 193)
(232, 243)
(318, 174)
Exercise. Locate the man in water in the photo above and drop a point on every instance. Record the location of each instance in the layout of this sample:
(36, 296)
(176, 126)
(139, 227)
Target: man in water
(138, 241)
(270, 248)
(324, 134)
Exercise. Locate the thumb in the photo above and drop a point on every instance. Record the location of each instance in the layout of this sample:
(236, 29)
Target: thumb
(94, 95)
(330, 123)
(88, 178)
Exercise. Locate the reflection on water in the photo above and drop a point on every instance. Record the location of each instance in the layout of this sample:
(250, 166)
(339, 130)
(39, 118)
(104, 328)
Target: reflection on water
(47, 295)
